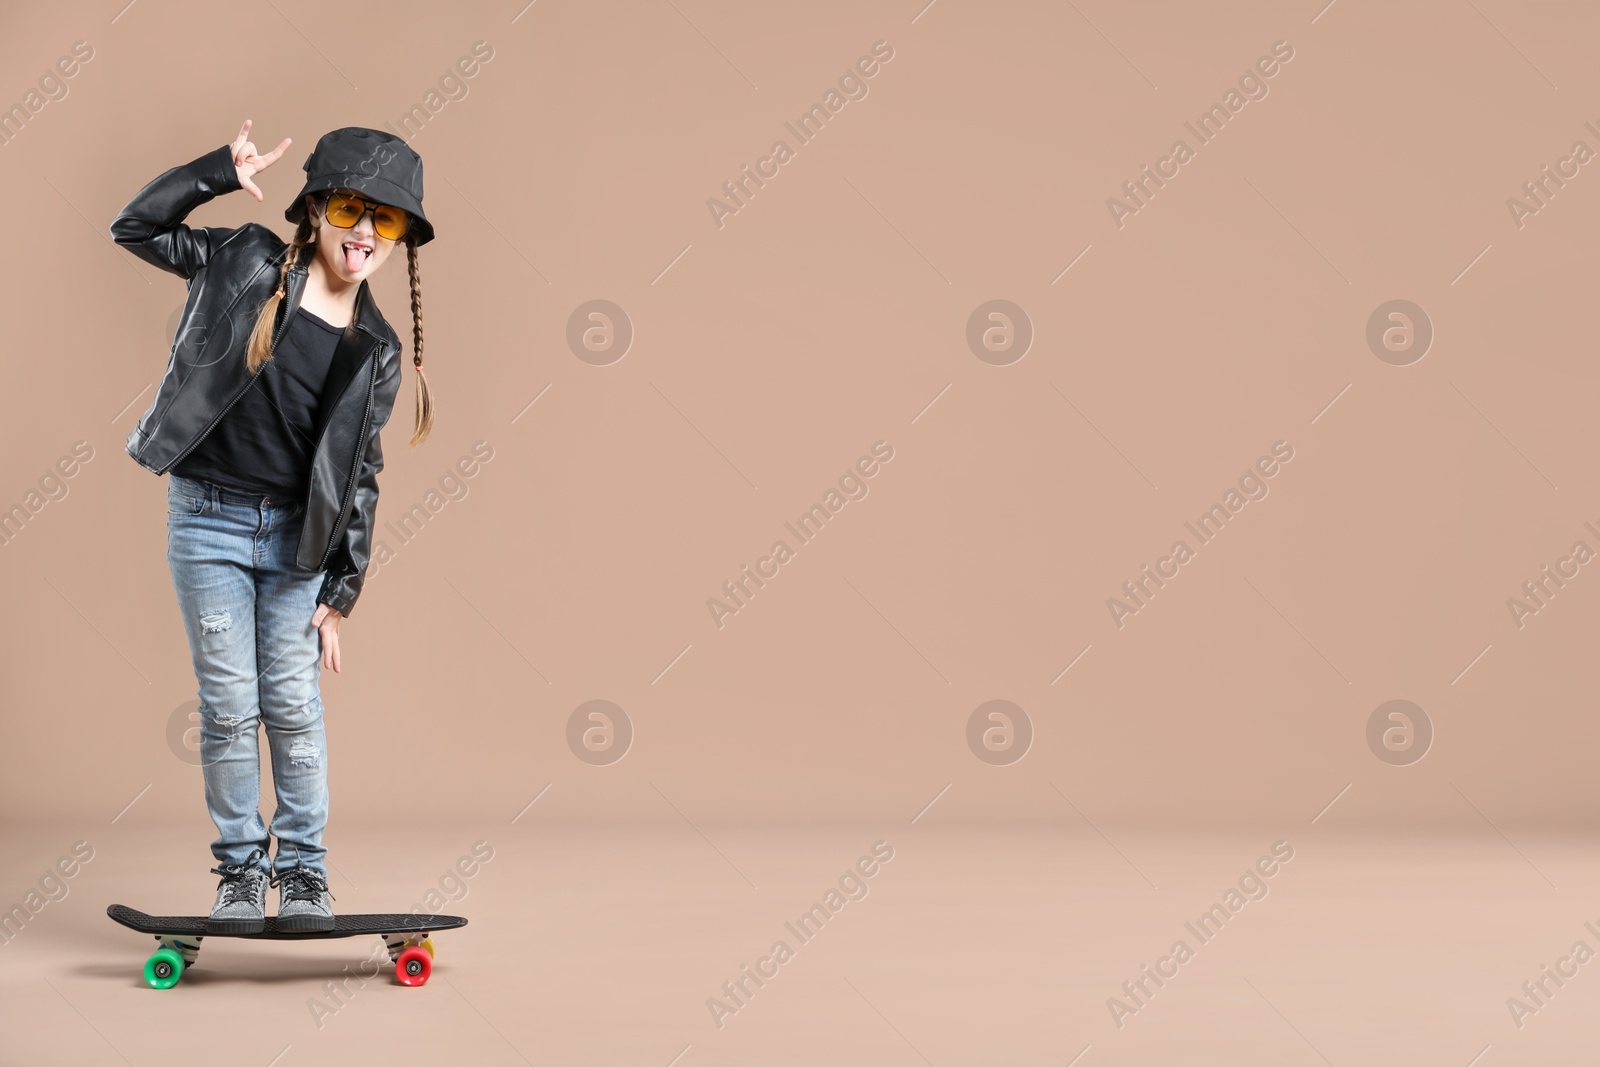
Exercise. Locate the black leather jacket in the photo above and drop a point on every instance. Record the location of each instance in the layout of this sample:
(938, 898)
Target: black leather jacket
(230, 274)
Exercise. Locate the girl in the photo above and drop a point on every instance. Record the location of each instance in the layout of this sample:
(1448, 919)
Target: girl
(281, 375)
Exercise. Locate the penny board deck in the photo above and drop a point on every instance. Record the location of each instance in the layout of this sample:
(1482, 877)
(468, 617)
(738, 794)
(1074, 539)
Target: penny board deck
(344, 925)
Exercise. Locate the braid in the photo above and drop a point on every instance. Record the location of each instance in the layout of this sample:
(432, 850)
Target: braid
(424, 395)
(260, 347)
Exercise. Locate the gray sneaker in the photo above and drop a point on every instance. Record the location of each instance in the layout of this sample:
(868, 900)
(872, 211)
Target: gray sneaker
(303, 899)
(241, 906)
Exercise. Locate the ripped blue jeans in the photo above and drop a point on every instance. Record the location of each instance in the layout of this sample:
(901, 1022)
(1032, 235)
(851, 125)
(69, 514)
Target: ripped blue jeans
(247, 609)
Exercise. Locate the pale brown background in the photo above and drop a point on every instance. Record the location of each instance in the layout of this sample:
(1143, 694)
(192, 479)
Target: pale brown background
(828, 314)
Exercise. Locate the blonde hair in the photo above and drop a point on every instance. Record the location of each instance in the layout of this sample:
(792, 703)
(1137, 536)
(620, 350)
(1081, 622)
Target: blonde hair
(259, 349)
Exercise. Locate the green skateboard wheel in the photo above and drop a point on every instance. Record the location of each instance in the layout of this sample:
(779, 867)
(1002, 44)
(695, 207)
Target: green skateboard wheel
(163, 969)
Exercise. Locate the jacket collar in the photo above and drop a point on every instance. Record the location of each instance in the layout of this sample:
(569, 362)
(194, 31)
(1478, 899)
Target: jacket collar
(367, 317)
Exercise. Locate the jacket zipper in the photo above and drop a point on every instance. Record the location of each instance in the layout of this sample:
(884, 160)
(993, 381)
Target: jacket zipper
(360, 449)
(232, 401)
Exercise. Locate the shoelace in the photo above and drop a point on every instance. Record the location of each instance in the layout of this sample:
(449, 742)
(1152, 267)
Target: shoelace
(302, 883)
(239, 881)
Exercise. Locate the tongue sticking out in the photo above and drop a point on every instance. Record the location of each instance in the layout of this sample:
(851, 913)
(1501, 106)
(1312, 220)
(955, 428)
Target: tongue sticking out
(355, 259)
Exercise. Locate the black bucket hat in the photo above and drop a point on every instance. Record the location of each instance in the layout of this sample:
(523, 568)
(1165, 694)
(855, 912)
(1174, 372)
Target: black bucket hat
(376, 164)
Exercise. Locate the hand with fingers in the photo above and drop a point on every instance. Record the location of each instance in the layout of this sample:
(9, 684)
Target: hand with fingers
(248, 162)
(325, 620)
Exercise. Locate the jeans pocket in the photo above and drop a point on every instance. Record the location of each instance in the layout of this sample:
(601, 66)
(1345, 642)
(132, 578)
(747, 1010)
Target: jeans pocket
(181, 504)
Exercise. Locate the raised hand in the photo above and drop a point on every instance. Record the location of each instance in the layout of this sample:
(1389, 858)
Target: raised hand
(248, 162)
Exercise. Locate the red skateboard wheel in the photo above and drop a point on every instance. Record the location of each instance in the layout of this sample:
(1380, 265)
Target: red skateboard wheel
(414, 966)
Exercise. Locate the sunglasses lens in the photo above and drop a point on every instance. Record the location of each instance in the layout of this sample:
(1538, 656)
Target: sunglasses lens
(343, 211)
(390, 222)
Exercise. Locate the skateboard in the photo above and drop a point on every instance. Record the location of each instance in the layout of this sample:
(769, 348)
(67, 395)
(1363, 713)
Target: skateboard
(405, 934)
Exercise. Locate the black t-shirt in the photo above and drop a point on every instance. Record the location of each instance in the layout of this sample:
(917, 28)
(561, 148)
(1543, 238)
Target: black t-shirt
(263, 443)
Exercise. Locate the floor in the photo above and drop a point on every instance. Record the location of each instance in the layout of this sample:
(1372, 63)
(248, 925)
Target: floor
(937, 946)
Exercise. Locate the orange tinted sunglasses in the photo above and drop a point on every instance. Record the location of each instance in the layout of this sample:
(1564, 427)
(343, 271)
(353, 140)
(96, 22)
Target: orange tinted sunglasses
(344, 210)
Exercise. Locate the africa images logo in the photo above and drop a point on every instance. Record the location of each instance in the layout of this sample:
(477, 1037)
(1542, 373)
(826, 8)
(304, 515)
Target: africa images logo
(1205, 129)
(852, 85)
(1252, 486)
